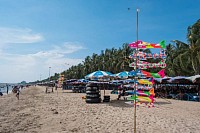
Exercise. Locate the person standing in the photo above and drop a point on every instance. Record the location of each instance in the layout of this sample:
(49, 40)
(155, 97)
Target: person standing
(1, 94)
(16, 90)
(7, 88)
(119, 92)
(56, 85)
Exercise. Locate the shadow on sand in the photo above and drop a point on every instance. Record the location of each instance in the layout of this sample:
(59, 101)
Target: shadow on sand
(121, 103)
(162, 102)
(67, 92)
(117, 103)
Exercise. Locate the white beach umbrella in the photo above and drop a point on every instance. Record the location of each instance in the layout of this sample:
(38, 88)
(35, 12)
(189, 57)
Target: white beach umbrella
(122, 75)
(98, 74)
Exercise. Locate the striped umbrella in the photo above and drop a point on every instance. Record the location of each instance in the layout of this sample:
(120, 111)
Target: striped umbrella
(98, 74)
(122, 75)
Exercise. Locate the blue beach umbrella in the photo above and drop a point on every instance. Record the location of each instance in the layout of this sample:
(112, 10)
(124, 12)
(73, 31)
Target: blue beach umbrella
(132, 73)
(136, 73)
(98, 74)
(122, 75)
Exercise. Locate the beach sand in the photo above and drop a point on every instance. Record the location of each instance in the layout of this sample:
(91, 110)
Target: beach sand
(67, 112)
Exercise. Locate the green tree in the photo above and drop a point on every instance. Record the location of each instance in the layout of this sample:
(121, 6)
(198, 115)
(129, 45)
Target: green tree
(182, 58)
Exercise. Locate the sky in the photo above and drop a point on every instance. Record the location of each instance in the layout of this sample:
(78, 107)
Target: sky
(42, 36)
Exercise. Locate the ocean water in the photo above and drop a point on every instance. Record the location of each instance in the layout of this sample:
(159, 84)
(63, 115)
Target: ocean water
(3, 88)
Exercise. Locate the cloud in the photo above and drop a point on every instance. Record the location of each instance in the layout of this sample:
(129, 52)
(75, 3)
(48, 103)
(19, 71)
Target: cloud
(29, 67)
(68, 47)
(17, 35)
(60, 50)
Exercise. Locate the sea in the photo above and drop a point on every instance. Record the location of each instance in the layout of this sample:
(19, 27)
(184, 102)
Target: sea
(3, 87)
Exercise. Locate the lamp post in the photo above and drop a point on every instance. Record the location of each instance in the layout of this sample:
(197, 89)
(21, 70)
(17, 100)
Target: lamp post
(49, 73)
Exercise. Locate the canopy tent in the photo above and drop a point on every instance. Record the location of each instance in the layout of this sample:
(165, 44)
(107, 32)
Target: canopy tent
(194, 78)
(178, 80)
(82, 80)
(162, 80)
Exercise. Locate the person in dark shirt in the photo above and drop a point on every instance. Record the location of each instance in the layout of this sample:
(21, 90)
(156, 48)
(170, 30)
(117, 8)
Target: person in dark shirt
(1, 94)
(17, 91)
(7, 88)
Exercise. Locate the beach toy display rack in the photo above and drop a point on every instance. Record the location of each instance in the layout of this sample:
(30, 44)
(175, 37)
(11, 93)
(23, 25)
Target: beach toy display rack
(145, 95)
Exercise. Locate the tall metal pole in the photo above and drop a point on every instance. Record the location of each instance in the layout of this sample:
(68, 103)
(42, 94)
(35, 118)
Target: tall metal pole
(103, 63)
(49, 74)
(135, 88)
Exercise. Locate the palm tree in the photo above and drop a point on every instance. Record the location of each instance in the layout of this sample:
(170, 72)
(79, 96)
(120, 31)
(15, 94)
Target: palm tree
(107, 60)
(87, 64)
(194, 42)
(170, 53)
(187, 56)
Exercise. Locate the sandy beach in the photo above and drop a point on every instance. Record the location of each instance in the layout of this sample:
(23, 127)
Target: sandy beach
(67, 112)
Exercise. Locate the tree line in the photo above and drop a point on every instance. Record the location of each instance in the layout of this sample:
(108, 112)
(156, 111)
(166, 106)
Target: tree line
(183, 59)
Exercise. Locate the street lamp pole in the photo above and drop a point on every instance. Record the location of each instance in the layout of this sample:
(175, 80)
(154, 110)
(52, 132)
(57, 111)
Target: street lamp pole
(49, 73)
(136, 78)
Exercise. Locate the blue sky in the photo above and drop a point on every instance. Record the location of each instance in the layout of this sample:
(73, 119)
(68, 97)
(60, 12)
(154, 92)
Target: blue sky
(36, 34)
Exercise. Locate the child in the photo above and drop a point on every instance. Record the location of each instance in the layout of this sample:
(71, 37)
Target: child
(119, 92)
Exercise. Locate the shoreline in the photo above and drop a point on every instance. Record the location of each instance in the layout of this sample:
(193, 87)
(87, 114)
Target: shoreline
(66, 112)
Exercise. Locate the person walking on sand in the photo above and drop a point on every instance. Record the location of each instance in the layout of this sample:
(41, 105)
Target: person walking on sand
(7, 88)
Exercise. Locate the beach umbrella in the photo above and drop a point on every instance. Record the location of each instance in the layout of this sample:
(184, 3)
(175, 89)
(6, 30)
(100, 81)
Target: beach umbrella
(122, 75)
(132, 73)
(98, 74)
(138, 73)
